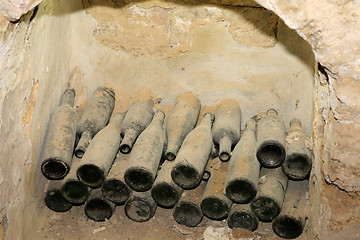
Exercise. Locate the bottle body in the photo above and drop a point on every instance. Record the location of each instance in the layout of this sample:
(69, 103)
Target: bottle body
(95, 117)
(241, 216)
(136, 120)
(165, 192)
(270, 140)
(244, 168)
(226, 130)
(181, 120)
(193, 155)
(72, 189)
(60, 140)
(298, 162)
(187, 211)
(97, 207)
(100, 155)
(114, 187)
(291, 221)
(270, 195)
(140, 207)
(145, 157)
(215, 204)
(54, 199)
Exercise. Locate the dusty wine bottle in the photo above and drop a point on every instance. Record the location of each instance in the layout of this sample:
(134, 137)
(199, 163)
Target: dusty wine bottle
(100, 154)
(181, 120)
(114, 187)
(271, 140)
(140, 207)
(291, 221)
(95, 117)
(60, 139)
(210, 164)
(241, 216)
(164, 191)
(187, 211)
(215, 204)
(72, 189)
(136, 120)
(97, 207)
(297, 164)
(54, 199)
(244, 168)
(145, 157)
(226, 130)
(270, 195)
(194, 155)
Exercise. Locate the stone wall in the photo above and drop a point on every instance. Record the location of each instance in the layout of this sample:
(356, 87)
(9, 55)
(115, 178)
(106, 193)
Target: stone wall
(331, 27)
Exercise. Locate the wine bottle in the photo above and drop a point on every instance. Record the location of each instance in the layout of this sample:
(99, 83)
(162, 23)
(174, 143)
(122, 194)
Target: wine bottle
(114, 187)
(187, 211)
(95, 117)
(165, 192)
(140, 207)
(270, 195)
(145, 157)
(72, 189)
(97, 207)
(181, 120)
(54, 199)
(215, 204)
(226, 130)
(241, 216)
(244, 168)
(291, 221)
(100, 154)
(271, 140)
(193, 155)
(297, 164)
(60, 139)
(136, 120)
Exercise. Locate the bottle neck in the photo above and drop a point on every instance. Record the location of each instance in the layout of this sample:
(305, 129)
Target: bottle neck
(158, 118)
(207, 120)
(116, 120)
(250, 125)
(68, 97)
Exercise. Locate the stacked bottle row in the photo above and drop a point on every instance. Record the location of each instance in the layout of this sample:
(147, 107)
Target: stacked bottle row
(177, 167)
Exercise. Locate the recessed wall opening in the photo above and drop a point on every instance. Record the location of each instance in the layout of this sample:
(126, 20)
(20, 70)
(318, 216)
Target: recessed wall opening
(160, 49)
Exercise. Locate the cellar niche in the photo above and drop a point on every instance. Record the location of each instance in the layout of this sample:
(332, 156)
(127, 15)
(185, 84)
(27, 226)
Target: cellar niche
(158, 49)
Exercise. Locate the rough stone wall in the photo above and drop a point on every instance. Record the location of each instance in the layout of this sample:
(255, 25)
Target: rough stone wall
(332, 27)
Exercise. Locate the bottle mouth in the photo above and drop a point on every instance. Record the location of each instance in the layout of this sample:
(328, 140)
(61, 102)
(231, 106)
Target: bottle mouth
(297, 166)
(243, 219)
(170, 156)
(138, 210)
(116, 191)
(241, 191)
(125, 148)
(79, 153)
(98, 209)
(75, 192)
(91, 175)
(287, 227)
(139, 179)
(188, 214)
(214, 208)
(224, 156)
(266, 209)
(271, 154)
(165, 195)
(185, 176)
(54, 169)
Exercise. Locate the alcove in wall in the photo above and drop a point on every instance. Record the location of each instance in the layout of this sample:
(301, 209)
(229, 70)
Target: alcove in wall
(160, 49)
